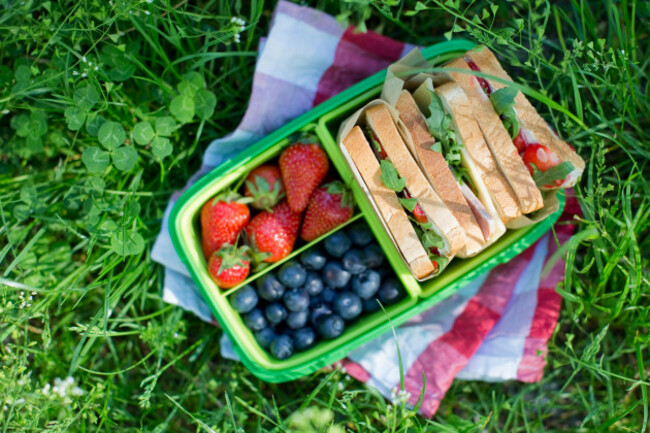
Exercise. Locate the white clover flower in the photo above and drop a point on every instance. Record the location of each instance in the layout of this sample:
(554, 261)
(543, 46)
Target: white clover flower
(46, 389)
(147, 13)
(97, 68)
(83, 59)
(75, 73)
(84, 75)
(237, 38)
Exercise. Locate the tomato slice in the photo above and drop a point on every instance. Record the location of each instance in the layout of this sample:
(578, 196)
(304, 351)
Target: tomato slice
(520, 142)
(482, 81)
(419, 215)
(543, 158)
(435, 251)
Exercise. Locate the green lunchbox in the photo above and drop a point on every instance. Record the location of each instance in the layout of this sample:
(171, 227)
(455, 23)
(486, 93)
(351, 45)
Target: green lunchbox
(323, 121)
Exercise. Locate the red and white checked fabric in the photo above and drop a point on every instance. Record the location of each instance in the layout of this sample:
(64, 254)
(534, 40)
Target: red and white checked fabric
(494, 329)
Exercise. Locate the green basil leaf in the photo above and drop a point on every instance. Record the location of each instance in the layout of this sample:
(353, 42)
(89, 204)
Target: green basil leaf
(409, 203)
(557, 172)
(431, 239)
(441, 261)
(503, 101)
(371, 137)
(438, 120)
(437, 147)
(390, 177)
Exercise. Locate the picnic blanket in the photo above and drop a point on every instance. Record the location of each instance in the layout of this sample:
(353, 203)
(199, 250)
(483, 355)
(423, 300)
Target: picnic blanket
(494, 329)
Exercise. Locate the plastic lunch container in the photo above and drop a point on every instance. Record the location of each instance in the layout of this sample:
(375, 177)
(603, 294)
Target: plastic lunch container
(324, 121)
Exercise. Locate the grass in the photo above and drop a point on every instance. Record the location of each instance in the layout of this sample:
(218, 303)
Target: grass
(80, 296)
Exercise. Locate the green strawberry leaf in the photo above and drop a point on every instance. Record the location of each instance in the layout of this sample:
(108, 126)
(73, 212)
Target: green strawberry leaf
(390, 177)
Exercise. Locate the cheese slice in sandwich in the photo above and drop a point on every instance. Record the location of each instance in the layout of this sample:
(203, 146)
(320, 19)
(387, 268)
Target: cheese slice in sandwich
(437, 227)
(388, 204)
(439, 174)
(532, 129)
(491, 187)
(498, 139)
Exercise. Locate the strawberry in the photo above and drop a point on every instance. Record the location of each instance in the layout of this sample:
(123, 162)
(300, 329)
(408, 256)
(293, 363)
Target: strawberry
(222, 218)
(274, 232)
(264, 185)
(229, 266)
(303, 167)
(329, 206)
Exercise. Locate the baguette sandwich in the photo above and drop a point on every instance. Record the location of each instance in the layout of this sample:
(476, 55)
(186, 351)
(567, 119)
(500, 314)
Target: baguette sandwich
(424, 229)
(440, 151)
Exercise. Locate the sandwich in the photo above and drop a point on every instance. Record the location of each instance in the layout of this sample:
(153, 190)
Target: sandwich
(549, 159)
(440, 144)
(498, 139)
(424, 229)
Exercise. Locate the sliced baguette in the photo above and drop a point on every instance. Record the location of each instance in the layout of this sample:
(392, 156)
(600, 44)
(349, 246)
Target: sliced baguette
(444, 223)
(493, 189)
(437, 171)
(498, 140)
(388, 204)
(529, 118)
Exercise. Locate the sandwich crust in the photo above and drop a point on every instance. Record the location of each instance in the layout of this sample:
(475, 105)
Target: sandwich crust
(435, 168)
(380, 120)
(499, 141)
(388, 204)
(528, 116)
(484, 162)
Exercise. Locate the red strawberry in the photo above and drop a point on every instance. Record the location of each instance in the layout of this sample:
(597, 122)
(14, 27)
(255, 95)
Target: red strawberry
(303, 167)
(329, 206)
(222, 218)
(229, 266)
(274, 232)
(264, 185)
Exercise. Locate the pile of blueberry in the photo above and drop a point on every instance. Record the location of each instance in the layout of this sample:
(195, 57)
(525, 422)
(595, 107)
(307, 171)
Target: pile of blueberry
(316, 296)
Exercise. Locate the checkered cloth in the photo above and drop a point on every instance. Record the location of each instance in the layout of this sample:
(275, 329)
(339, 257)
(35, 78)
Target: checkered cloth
(494, 329)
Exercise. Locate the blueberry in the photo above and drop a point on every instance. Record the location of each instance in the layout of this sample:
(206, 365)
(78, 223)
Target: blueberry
(331, 326)
(275, 312)
(296, 300)
(360, 234)
(244, 299)
(313, 284)
(269, 288)
(366, 283)
(373, 256)
(328, 295)
(292, 275)
(337, 244)
(383, 271)
(265, 337)
(390, 291)
(348, 305)
(304, 338)
(318, 313)
(335, 276)
(353, 261)
(282, 347)
(255, 320)
(297, 319)
(314, 258)
(370, 305)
